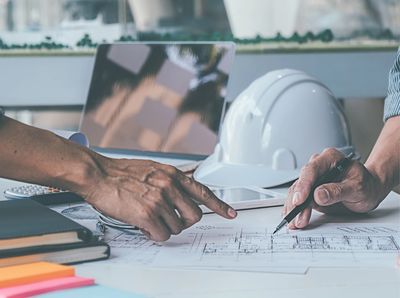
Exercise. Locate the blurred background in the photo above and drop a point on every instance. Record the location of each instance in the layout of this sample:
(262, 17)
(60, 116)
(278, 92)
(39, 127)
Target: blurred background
(43, 86)
(68, 20)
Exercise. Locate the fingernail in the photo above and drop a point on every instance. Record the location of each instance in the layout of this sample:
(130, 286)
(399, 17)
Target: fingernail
(323, 195)
(296, 198)
(232, 213)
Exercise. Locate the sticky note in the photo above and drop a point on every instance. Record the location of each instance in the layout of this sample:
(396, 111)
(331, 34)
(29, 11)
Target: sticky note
(46, 286)
(97, 291)
(33, 272)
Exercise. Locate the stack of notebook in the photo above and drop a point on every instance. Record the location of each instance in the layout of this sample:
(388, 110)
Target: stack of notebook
(31, 232)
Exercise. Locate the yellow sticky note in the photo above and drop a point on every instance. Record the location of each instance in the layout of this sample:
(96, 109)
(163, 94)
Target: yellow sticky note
(33, 272)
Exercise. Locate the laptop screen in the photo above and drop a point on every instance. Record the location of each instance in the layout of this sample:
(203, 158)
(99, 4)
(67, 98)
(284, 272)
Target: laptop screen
(158, 97)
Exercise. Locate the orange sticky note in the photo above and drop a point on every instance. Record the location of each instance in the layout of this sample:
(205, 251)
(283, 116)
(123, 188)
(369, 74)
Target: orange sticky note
(46, 286)
(34, 272)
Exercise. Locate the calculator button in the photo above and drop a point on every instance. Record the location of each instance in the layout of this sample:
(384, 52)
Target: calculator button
(29, 190)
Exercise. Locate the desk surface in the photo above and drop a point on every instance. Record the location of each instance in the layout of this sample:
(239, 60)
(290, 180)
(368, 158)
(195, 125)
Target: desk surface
(329, 282)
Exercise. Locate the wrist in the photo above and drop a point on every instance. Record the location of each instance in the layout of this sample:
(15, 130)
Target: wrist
(384, 160)
(383, 177)
(81, 174)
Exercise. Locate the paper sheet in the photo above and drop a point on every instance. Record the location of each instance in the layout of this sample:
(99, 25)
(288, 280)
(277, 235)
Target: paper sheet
(135, 249)
(243, 247)
(330, 245)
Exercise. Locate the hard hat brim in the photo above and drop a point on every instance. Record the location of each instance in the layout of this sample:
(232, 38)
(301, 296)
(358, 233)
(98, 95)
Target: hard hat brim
(219, 174)
(213, 172)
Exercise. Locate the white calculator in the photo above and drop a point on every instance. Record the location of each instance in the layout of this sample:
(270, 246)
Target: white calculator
(43, 194)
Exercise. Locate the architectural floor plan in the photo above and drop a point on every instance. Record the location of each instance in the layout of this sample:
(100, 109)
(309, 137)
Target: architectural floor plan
(244, 247)
(328, 245)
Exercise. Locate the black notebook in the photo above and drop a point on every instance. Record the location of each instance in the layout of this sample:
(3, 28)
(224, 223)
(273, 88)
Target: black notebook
(25, 223)
(31, 232)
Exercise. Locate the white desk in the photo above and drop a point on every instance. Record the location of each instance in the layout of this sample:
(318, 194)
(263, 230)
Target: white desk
(346, 282)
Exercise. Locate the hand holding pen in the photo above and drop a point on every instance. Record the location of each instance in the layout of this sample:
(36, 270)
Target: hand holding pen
(358, 189)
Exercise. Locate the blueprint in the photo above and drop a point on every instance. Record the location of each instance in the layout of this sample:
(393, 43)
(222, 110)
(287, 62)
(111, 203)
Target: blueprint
(132, 248)
(330, 245)
(236, 246)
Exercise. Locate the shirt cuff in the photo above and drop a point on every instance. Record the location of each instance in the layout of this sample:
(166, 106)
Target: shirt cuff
(392, 106)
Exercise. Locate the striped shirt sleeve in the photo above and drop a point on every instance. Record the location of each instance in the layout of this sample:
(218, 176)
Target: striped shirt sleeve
(392, 101)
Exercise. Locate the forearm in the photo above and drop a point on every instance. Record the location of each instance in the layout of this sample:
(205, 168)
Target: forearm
(384, 160)
(37, 156)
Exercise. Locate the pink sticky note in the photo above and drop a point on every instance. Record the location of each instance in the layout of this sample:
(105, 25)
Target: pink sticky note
(45, 287)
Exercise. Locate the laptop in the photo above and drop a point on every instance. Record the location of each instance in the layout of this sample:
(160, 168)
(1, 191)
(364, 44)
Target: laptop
(157, 100)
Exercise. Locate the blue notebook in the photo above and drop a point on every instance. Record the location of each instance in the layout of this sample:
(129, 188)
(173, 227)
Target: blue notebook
(91, 291)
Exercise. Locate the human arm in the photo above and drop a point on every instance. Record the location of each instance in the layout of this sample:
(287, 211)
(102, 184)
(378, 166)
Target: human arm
(363, 186)
(142, 193)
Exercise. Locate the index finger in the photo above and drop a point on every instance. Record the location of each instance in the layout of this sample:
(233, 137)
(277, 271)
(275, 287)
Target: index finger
(205, 196)
(311, 171)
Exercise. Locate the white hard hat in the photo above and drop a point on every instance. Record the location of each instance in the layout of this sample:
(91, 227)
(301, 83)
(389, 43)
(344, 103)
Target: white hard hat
(272, 129)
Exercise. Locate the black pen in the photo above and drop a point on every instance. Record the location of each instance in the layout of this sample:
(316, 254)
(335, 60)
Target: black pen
(329, 176)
